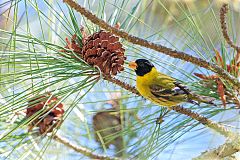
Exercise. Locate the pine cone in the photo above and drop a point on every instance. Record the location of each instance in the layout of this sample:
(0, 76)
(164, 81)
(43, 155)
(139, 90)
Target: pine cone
(101, 49)
(46, 123)
(104, 50)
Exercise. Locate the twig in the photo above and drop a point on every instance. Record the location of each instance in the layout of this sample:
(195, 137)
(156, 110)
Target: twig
(203, 120)
(82, 150)
(225, 150)
(168, 51)
(223, 12)
(233, 97)
(122, 84)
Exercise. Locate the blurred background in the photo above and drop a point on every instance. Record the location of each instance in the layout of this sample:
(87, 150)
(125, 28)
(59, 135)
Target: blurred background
(104, 117)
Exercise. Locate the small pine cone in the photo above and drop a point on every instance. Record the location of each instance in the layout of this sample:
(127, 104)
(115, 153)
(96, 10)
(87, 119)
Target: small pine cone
(104, 50)
(38, 107)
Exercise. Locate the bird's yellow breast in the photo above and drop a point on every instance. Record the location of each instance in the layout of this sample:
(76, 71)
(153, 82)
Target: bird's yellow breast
(143, 82)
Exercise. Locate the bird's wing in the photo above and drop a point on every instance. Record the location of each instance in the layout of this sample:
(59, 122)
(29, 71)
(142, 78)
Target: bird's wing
(167, 89)
(169, 84)
(164, 81)
(159, 91)
(182, 87)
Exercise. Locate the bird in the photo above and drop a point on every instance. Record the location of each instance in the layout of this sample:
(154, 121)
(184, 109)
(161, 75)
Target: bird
(162, 89)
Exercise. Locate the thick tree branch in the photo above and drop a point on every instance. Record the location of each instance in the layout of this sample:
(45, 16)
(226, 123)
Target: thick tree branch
(82, 150)
(227, 149)
(157, 47)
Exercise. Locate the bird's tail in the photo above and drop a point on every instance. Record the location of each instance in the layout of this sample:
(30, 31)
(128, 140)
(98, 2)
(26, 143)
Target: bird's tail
(201, 99)
(193, 98)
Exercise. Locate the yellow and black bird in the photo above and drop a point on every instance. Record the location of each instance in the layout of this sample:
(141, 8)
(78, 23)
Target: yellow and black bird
(160, 88)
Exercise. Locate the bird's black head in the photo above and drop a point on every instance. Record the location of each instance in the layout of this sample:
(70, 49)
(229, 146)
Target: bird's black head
(141, 66)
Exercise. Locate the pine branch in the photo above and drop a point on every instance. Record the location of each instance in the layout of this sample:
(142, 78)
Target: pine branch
(142, 42)
(226, 150)
(205, 121)
(122, 84)
(82, 150)
(223, 12)
(201, 119)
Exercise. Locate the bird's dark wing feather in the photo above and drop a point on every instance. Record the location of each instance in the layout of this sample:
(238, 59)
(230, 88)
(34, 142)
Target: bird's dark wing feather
(177, 93)
(159, 91)
(182, 87)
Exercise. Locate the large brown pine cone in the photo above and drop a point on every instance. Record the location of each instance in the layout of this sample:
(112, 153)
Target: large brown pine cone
(38, 107)
(104, 50)
(101, 49)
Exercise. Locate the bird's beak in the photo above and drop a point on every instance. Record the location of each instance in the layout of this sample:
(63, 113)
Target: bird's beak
(133, 65)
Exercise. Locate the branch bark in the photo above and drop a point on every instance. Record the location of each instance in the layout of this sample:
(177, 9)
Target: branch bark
(142, 42)
(82, 150)
(226, 150)
(223, 12)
